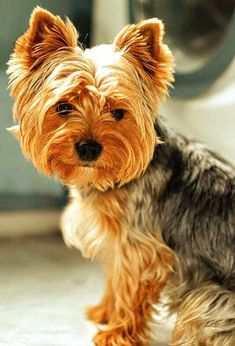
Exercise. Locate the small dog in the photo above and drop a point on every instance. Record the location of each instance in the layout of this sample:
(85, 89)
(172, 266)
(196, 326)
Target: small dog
(156, 208)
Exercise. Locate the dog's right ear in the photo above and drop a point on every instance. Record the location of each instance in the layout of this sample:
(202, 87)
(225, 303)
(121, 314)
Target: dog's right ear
(46, 34)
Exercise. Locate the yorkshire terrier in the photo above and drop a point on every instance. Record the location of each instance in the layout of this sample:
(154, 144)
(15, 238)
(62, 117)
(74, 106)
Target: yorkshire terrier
(156, 208)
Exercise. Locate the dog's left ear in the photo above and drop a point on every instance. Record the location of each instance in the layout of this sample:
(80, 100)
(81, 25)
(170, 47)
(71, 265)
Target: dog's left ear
(142, 45)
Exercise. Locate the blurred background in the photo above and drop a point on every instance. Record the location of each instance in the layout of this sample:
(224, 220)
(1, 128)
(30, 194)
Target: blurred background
(201, 33)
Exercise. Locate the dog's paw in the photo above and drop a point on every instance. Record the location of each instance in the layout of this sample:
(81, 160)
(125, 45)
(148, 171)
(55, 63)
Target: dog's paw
(98, 314)
(116, 337)
(111, 338)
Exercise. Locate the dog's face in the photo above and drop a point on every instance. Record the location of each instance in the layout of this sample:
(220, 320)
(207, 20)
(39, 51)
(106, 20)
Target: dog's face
(87, 116)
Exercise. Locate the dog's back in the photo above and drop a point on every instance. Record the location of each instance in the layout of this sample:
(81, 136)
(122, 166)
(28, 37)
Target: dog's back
(197, 209)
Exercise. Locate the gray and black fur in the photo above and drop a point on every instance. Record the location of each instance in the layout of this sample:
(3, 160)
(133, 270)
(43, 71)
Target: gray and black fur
(188, 191)
(194, 207)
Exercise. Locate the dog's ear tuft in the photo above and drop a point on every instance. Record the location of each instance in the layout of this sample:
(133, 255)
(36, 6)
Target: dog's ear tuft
(46, 34)
(15, 130)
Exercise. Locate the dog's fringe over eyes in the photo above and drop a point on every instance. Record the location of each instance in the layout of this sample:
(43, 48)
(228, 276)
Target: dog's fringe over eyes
(156, 208)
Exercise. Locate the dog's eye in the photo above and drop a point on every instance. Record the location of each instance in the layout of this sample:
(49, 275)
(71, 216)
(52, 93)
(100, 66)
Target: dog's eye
(118, 114)
(64, 109)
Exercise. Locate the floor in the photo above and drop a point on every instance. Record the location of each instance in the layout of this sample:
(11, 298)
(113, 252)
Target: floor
(44, 290)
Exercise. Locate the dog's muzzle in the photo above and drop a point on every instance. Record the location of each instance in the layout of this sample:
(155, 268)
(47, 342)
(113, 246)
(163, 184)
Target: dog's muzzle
(88, 150)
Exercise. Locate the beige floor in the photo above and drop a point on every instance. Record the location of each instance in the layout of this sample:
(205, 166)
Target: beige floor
(44, 290)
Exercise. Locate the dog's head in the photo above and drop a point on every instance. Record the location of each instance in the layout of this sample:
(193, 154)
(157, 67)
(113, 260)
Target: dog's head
(87, 116)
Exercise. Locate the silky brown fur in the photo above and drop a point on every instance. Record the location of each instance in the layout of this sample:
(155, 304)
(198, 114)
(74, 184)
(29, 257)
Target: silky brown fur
(120, 203)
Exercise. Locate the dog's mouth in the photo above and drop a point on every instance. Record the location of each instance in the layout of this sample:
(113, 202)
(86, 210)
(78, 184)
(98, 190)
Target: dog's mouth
(86, 165)
(93, 165)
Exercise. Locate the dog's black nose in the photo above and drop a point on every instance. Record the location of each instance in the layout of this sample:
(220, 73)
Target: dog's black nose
(88, 150)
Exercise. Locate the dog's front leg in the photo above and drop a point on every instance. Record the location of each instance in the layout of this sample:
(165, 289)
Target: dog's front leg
(101, 313)
(138, 274)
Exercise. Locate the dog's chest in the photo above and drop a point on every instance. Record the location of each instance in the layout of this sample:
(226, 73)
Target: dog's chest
(91, 222)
